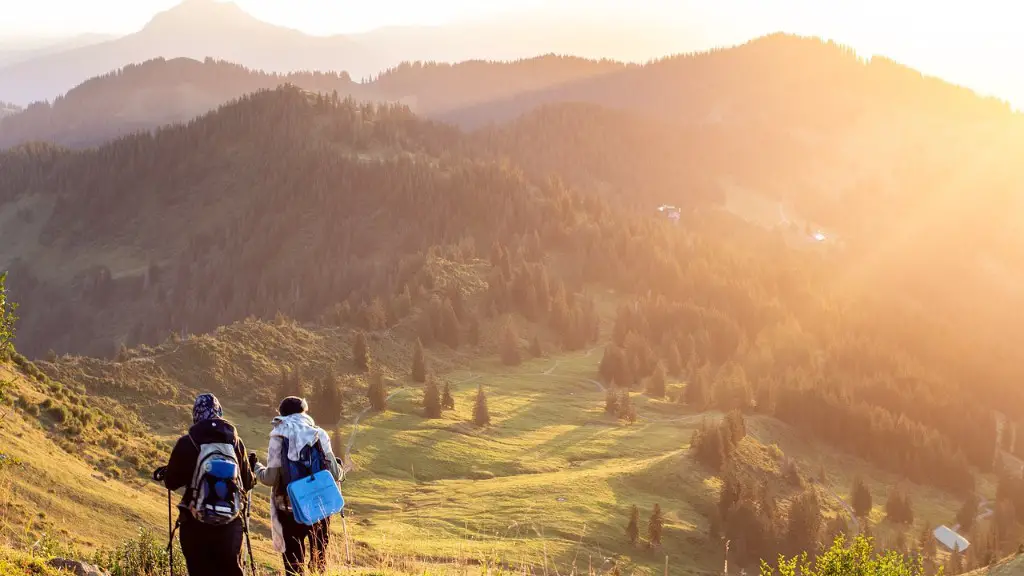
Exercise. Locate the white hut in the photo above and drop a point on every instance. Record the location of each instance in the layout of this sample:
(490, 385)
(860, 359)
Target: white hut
(950, 539)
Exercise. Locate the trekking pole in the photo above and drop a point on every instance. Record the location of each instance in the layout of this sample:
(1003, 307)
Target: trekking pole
(159, 474)
(344, 527)
(245, 524)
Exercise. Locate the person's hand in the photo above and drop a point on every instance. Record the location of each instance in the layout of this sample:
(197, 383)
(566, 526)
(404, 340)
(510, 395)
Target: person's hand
(253, 460)
(160, 473)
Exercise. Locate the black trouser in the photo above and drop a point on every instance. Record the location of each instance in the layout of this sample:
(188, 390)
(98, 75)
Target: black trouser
(211, 550)
(295, 536)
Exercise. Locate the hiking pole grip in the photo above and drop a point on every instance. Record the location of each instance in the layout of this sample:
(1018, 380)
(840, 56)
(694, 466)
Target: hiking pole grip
(160, 473)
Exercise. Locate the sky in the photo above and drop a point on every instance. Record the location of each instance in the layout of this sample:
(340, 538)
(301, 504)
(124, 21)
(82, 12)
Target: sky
(975, 43)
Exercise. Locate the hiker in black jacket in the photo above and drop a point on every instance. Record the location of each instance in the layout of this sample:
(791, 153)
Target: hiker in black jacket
(208, 549)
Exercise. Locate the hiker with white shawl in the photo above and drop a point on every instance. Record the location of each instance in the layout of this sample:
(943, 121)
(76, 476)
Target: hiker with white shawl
(295, 429)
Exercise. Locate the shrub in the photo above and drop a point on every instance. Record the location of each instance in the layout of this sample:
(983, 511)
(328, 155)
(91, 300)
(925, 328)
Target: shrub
(143, 555)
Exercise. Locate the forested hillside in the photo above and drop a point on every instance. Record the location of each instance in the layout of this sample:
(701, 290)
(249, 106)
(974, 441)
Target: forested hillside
(149, 95)
(156, 92)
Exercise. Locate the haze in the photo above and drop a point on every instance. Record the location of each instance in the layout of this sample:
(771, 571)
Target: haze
(971, 44)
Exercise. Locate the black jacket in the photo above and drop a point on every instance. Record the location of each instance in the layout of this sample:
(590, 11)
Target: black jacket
(185, 455)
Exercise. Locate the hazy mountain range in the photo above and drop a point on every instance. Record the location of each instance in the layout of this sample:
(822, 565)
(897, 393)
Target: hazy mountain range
(201, 29)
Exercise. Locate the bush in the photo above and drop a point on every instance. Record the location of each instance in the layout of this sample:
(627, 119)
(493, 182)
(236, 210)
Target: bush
(143, 555)
(859, 559)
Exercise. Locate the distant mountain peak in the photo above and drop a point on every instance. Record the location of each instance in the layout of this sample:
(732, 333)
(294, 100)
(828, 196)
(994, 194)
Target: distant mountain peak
(203, 14)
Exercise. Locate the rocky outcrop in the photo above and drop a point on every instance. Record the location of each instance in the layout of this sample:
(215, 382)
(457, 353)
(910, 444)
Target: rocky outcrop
(77, 568)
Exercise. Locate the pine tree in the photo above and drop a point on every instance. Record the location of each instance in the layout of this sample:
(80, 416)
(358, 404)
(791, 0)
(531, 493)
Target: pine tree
(926, 541)
(633, 527)
(673, 359)
(955, 564)
(655, 526)
(860, 498)
(449, 326)
(328, 401)
(611, 402)
(736, 427)
(419, 363)
(447, 400)
(431, 400)
(898, 508)
(535, 349)
(480, 415)
(1008, 436)
(609, 364)
(510, 355)
(298, 383)
(656, 383)
(696, 391)
(627, 411)
(284, 384)
(291, 384)
(967, 513)
(377, 392)
(361, 353)
(804, 522)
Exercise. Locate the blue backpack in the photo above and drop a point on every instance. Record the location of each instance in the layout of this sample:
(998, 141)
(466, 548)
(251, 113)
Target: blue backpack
(312, 491)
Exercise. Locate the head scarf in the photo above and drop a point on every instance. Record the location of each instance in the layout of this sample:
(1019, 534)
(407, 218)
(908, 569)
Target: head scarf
(207, 407)
(292, 405)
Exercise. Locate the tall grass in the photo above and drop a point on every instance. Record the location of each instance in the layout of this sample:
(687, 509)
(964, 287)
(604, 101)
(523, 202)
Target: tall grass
(143, 555)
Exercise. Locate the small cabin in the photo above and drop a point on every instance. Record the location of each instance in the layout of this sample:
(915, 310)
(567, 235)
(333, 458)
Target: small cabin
(950, 539)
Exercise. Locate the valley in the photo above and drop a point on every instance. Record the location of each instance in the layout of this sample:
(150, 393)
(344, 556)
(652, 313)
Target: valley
(814, 351)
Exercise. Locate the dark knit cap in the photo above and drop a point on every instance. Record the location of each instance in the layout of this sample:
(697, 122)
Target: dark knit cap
(292, 405)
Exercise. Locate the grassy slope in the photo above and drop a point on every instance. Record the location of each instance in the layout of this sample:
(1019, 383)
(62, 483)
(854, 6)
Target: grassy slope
(551, 480)
(553, 477)
(1009, 567)
(56, 493)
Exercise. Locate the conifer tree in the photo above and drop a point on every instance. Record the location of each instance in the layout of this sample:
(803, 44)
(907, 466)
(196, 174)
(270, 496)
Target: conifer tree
(328, 401)
(284, 384)
(361, 353)
(1008, 436)
(298, 383)
(926, 542)
(696, 392)
(611, 402)
(898, 508)
(480, 415)
(431, 399)
(377, 392)
(955, 564)
(736, 427)
(860, 498)
(673, 360)
(510, 355)
(535, 349)
(804, 522)
(419, 363)
(967, 513)
(633, 527)
(606, 370)
(449, 326)
(655, 526)
(656, 383)
(627, 411)
(447, 400)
